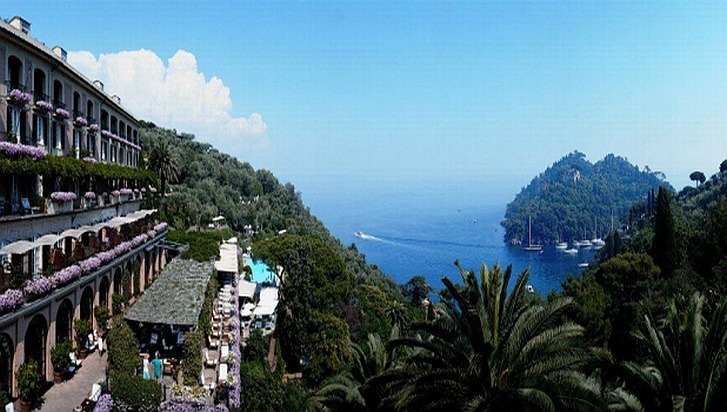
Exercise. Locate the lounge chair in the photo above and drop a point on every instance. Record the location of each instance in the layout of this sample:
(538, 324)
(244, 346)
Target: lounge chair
(222, 373)
(207, 360)
(212, 343)
(207, 385)
(95, 392)
(75, 362)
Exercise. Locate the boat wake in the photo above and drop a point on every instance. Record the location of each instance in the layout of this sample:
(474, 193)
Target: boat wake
(410, 242)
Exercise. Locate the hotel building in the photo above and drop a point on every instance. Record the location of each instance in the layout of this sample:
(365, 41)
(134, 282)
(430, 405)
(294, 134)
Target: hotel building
(76, 220)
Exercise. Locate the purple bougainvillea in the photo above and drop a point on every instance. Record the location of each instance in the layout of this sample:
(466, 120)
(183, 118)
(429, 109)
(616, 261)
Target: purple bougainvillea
(179, 406)
(104, 403)
(44, 106)
(62, 114)
(80, 121)
(37, 286)
(89, 195)
(126, 192)
(10, 299)
(115, 193)
(90, 264)
(19, 98)
(161, 227)
(93, 128)
(13, 150)
(62, 197)
(66, 275)
(89, 159)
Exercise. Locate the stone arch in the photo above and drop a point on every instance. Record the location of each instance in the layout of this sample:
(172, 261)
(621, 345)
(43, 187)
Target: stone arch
(103, 291)
(86, 305)
(7, 350)
(64, 321)
(36, 342)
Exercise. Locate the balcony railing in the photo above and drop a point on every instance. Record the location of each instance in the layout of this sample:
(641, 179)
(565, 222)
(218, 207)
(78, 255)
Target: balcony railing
(30, 296)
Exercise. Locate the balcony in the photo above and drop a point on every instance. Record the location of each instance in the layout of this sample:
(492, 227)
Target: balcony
(23, 294)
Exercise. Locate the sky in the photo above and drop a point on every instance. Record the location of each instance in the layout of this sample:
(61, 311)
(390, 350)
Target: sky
(373, 95)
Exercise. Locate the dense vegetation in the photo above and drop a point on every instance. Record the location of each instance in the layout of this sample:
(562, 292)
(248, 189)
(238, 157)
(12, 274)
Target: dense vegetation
(568, 198)
(644, 329)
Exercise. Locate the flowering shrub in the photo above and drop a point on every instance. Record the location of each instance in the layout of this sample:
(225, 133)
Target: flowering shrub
(43, 105)
(180, 406)
(93, 128)
(126, 192)
(235, 356)
(62, 197)
(90, 264)
(66, 275)
(89, 195)
(89, 159)
(107, 134)
(10, 299)
(80, 121)
(161, 227)
(19, 98)
(192, 394)
(152, 234)
(16, 149)
(104, 403)
(62, 113)
(115, 193)
(138, 240)
(37, 286)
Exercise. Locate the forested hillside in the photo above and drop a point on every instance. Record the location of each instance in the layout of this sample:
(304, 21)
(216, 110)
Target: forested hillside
(572, 196)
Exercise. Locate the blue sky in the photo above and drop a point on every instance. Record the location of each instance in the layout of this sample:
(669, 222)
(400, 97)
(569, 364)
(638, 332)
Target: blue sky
(424, 93)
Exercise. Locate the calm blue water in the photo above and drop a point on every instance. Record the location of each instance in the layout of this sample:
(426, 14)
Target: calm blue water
(423, 233)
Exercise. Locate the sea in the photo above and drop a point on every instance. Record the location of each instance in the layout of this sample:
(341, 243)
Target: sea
(422, 232)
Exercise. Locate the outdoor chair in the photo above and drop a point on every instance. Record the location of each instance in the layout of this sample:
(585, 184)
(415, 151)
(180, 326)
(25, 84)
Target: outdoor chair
(207, 385)
(90, 343)
(212, 343)
(207, 361)
(75, 362)
(222, 373)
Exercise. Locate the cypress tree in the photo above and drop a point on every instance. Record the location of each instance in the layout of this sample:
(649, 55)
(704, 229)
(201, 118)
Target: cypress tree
(664, 248)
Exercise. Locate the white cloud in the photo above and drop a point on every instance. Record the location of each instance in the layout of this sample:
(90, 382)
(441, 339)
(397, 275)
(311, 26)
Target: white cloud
(175, 95)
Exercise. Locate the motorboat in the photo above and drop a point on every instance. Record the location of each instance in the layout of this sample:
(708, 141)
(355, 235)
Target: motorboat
(561, 246)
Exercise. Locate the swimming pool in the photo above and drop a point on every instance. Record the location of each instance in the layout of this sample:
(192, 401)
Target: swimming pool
(261, 272)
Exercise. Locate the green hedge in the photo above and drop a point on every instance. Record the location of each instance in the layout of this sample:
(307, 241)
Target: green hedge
(123, 349)
(192, 357)
(131, 392)
(203, 246)
(74, 168)
(205, 316)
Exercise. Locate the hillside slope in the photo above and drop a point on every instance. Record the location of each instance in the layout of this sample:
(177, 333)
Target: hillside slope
(572, 196)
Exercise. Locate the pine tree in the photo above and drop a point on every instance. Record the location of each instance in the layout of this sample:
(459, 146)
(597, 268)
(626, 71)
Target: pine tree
(664, 248)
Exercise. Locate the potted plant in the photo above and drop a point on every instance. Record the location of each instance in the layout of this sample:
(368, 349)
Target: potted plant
(61, 361)
(101, 313)
(28, 383)
(82, 327)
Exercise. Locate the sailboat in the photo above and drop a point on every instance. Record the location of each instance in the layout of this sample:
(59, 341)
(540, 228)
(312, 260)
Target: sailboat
(531, 247)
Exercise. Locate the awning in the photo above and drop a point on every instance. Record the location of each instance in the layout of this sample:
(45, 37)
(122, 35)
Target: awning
(17, 248)
(246, 289)
(228, 259)
(47, 240)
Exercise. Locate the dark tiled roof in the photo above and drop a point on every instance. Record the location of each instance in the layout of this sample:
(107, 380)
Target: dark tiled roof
(176, 297)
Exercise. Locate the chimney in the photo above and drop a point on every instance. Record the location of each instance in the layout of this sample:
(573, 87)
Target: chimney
(98, 84)
(60, 52)
(117, 99)
(20, 24)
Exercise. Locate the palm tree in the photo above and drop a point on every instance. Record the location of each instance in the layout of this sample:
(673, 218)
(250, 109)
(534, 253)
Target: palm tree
(165, 162)
(365, 386)
(685, 360)
(492, 351)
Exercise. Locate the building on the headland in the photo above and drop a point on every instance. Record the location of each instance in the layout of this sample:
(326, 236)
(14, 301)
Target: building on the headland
(73, 232)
